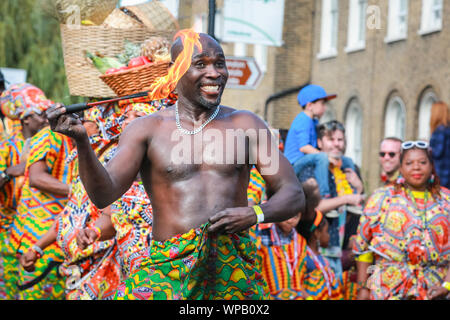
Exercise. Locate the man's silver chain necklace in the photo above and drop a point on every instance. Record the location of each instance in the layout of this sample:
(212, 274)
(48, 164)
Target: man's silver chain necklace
(177, 120)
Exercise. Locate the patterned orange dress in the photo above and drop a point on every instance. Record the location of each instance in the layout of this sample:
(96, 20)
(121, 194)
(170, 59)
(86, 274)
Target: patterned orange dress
(408, 235)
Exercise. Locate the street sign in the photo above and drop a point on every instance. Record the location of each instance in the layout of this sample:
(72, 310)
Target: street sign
(243, 73)
(253, 21)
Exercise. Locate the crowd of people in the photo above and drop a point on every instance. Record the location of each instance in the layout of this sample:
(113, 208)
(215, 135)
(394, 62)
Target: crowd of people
(94, 205)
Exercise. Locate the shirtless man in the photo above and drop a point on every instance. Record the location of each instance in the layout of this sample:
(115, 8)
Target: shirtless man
(186, 196)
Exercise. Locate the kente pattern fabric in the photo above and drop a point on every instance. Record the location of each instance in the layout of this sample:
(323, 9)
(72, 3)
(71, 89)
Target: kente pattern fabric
(8, 270)
(409, 239)
(197, 265)
(320, 281)
(283, 262)
(36, 213)
(10, 155)
(349, 284)
(11, 126)
(256, 187)
(92, 273)
(20, 100)
(132, 218)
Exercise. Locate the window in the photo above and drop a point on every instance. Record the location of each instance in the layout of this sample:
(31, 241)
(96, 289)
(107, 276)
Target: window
(356, 37)
(353, 129)
(394, 122)
(397, 20)
(260, 53)
(240, 49)
(431, 16)
(200, 23)
(428, 98)
(329, 29)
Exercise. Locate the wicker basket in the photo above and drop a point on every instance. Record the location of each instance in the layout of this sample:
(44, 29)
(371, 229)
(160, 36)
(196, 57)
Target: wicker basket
(134, 80)
(93, 10)
(82, 76)
(154, 15)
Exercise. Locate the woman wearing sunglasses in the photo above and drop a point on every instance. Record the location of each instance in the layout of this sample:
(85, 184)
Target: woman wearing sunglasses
(402, 244)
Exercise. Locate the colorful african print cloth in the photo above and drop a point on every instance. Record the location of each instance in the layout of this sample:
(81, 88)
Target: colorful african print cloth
(256, 187)
(409, 238)
(283, 262)
(10, 155)
(320, 281)
(36, 213)
(21, 100)
(197, 265)
(92, 273)
(132, 218)
(349, 284)
(9, 127)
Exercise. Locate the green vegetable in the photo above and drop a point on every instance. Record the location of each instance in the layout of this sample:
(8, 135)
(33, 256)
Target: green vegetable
(131, 50)
(104, 63)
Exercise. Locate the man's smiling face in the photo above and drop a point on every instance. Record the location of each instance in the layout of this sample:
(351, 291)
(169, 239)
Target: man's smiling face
(207, 76)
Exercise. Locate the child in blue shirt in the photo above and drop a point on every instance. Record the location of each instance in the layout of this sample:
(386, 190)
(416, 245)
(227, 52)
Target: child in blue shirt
(301, 141)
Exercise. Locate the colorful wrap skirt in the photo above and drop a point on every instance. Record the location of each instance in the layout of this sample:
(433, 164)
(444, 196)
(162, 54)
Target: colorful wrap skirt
(197, 265)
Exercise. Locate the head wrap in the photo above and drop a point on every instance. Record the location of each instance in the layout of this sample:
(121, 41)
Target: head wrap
(21, 100)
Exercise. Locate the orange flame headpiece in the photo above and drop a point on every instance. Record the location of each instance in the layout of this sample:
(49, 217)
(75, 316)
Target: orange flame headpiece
(163, 86)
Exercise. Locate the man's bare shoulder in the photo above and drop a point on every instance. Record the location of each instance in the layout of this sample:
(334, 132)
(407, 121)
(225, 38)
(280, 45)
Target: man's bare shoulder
(245, 118)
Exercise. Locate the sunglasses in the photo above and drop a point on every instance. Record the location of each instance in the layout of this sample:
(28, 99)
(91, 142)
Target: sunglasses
(411, 144)
(391, 154)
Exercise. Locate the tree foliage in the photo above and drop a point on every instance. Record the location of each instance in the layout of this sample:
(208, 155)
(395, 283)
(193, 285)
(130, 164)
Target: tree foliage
(30, 39)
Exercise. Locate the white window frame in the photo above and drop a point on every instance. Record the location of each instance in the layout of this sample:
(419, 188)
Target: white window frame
(353, 130)
(329, 29)
(260, 52)
(395, 118)
(429, 9)
(395, 14)
(356, 35)
(200, 23)
(426, 102)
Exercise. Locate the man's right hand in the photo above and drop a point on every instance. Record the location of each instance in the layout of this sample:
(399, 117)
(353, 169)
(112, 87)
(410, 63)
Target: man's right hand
(28, 260)
(67, 124)
(86, 237)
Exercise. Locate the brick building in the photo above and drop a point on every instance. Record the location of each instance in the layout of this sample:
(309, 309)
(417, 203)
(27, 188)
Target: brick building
(387, 63)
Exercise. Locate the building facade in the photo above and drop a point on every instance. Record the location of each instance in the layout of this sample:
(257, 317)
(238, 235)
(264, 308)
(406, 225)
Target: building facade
(282, 67)
(385, 59)
(388, 62)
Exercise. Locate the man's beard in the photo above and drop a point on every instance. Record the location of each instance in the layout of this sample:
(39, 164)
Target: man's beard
(210, 104)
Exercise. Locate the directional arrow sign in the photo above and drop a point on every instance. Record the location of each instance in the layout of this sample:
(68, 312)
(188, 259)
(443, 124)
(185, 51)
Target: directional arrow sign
(244, 73)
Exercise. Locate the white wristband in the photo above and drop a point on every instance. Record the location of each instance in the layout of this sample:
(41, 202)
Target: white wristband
(38, 250)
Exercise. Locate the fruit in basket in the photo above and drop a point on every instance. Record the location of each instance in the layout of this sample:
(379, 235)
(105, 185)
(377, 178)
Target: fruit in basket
(156, 49)
(138, 61)
(104, 63)
(131, 50)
